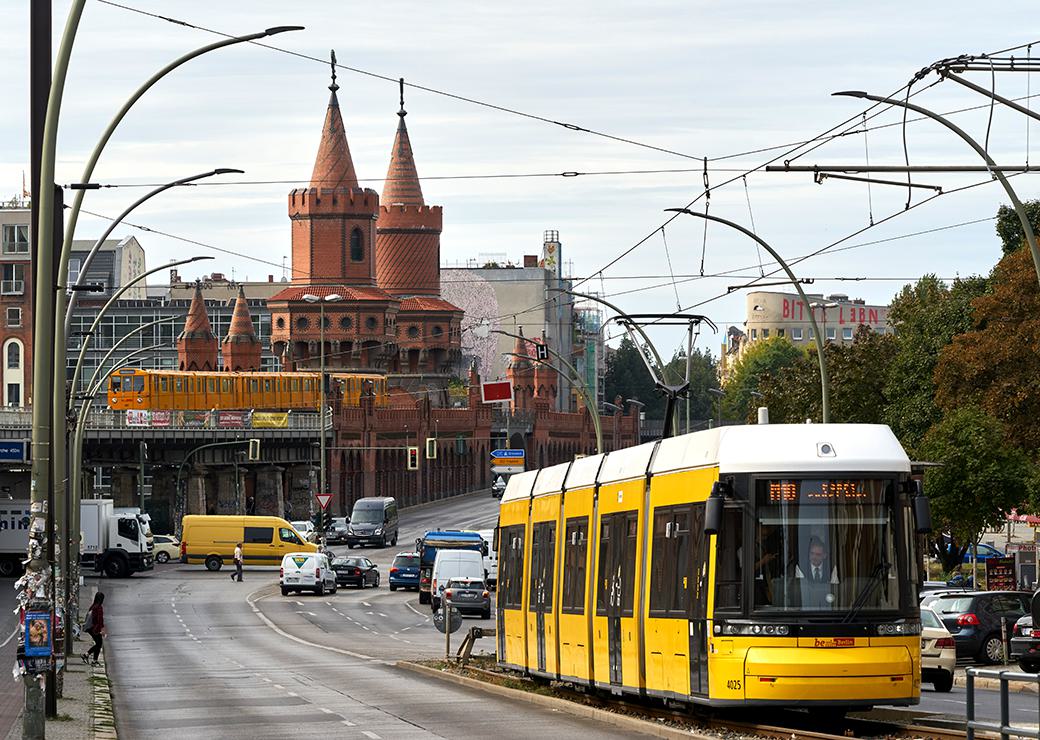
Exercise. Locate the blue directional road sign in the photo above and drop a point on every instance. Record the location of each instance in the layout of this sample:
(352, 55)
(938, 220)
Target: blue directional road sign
(13, 450)
(507, 453)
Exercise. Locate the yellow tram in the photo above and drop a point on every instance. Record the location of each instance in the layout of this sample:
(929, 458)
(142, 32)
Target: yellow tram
(796, 585)
(137, 388)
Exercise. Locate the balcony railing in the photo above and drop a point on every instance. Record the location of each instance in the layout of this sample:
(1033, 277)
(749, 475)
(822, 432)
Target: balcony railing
(21, 418)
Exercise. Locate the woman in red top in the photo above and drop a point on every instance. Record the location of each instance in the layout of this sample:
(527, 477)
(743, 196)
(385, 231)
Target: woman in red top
(95, 627)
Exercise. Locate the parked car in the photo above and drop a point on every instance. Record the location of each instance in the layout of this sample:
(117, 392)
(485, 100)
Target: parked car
(306, 571)
(166, 548)
(352, 571)
(938, 652)
(469, 596)
(337, 531)
(1025, 645)
(404, 573)
(373, 522)
(973, 618)
(983, 552)
(305, 528)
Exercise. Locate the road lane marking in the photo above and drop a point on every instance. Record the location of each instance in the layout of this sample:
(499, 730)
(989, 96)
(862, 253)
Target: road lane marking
(382, 615)
(9, 637)
(290, 693)
(327, 711)
(348, 723)
(311, 613)
(279, 687)
(415, 610)
(365, 603)
(372, 735)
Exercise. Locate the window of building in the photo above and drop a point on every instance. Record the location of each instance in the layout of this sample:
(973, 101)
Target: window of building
(302, 323)
(345, 323)
(812, 334)
(765, 333)
(831, 334)
(14, 356)
(846, 333)
(780, 332)
(357, 246)
(370, 322)
(413, 332)
(14, 317)
(437, 331)
(754, 333)
(280, 323)
(13, 282)
(796, 335)
(74, 268)
(14, 394)
(16, 239)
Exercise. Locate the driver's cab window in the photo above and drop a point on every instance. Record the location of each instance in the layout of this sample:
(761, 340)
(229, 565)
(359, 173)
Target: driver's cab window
(128, 529)
(287, 535)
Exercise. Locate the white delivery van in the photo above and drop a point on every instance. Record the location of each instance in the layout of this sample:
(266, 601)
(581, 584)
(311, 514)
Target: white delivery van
(307, 571)
(453, 564)
(491, 559)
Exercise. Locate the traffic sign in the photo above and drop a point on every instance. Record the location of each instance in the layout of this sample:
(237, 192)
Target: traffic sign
(508, 453)
(541, 351)
(496, 391)
(323, 500)
(506, 469)
(454, 623)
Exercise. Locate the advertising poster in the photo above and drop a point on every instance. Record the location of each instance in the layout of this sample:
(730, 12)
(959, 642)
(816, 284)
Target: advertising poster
(37, 634)
(270, 420)
(231, 419)
(162, 419)
(1000, 574)
(136, 418)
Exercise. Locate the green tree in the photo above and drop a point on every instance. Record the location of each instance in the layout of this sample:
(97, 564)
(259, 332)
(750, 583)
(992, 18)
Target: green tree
(627, 376)
(1009, 228)
(926, 316)
(857, 374)
(703, 375)
(762, 359)
(979, 478)
(995, 365)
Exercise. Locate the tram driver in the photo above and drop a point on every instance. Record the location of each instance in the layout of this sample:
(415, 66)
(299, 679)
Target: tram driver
(818, 578)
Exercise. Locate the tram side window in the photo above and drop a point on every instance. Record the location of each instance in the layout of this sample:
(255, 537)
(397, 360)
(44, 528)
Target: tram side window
(115, 384)
(543, 545)
(670, 573)
(575, 552)
(138, 383)
(628, 567)
(728, 561)
(512, 566)
(602, 575)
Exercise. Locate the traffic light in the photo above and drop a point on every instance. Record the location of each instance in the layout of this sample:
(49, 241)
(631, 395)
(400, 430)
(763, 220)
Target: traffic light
(413, 458)
(431, 448)
(317, 519)
(326, 520)
(254, 450)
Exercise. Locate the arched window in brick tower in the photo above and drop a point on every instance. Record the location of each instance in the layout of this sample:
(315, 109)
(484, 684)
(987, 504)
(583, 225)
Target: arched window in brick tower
(357, 246)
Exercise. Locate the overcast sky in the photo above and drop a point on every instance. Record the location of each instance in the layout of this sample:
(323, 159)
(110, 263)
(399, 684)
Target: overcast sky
(703, 79)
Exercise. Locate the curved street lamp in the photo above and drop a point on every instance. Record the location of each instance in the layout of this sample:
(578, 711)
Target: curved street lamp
(331, 298)
(824, 379)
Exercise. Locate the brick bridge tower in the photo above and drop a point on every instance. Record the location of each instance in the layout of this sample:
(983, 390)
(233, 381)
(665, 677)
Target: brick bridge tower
(197, 345)
(241, 347)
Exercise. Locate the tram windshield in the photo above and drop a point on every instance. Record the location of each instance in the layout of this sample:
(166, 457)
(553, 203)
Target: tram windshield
(825, 545)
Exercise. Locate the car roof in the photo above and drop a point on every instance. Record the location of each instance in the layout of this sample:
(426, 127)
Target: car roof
(407, 554)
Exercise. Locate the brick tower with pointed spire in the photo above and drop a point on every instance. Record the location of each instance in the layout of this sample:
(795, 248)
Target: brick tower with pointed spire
(197, 345)
(241, 347)
(521, 375)
(408, 233)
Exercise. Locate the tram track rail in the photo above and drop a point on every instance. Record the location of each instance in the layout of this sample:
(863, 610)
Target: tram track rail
(785, 724)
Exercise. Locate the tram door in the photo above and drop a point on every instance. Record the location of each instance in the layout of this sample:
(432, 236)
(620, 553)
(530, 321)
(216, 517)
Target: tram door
(697, 602)
(543, 549)
(617, 563)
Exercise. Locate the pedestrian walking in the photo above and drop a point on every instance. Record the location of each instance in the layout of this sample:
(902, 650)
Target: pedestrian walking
(237, 575)
(94, 625)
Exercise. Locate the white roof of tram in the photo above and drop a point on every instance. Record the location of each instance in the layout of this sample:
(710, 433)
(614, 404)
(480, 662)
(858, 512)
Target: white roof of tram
(780, 448)
(753, 448)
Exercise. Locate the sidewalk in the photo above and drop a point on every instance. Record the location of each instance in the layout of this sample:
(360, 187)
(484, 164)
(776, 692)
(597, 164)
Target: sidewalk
(85, 708)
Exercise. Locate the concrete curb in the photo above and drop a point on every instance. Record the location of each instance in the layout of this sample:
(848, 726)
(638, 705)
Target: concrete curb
(102, 712)
(621, 721)
(1014, 687)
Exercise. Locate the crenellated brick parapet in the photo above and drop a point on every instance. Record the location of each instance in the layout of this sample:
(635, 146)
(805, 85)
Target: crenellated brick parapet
(334, 202)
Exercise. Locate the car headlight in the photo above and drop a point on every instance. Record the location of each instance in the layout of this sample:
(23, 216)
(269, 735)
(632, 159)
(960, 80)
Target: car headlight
(751, 628)
(379, 530)
(899, 628)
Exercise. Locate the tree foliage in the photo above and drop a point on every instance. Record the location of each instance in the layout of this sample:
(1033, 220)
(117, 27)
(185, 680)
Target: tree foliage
(857, 374)
(1009, 227)
(996, 365)
(627, 376)
(926, 316)
(978, 480)
(762, 359)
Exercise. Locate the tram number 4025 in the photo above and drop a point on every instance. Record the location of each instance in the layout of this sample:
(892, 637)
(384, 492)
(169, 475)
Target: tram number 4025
(733, 685)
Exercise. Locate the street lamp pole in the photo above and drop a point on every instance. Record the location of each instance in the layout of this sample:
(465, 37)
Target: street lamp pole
(718, 393)
(825, 391)
(332, 298)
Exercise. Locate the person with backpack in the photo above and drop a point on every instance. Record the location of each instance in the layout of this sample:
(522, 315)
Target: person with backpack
(94, 625)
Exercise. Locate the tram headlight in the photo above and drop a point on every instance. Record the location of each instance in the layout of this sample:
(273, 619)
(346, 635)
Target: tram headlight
(899, 629)
(753, 629)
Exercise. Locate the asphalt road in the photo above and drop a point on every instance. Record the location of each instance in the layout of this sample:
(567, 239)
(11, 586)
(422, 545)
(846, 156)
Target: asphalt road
(191, 649)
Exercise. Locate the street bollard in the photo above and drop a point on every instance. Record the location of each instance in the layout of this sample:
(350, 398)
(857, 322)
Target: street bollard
(446, 605)
(1004, 639)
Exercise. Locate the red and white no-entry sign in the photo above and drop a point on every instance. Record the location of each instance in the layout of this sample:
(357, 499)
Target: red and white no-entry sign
(323, 500)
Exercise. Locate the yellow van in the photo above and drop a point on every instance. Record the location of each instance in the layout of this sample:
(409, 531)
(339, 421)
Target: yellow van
(265, 539)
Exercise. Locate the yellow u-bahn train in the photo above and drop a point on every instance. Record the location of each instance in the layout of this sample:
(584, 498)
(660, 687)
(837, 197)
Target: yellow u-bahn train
(795, 585)
(136, 388)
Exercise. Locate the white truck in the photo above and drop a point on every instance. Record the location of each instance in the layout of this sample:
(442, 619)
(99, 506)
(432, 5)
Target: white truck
(116, 542)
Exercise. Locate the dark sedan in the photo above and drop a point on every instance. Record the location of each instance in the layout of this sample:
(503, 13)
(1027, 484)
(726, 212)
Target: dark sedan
(974, 620)
(469, 596)
(358, 572)
(1025, 645)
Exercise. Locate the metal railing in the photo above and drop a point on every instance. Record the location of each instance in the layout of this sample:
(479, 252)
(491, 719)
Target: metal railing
(1004, 728)
(21, 418)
